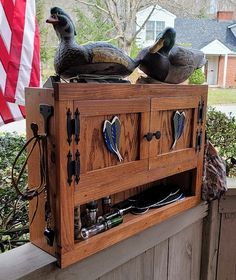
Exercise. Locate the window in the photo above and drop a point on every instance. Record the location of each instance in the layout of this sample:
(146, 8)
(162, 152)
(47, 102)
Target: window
(150, 30)
(153, 28)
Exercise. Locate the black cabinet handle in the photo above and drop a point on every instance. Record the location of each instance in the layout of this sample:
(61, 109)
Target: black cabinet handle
(69, 126)
(150, 135)
(157, 134)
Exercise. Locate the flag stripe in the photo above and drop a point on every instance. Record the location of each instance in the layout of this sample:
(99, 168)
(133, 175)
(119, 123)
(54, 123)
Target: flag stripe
(35, 73)
(15, 111)
(15, 53)
(26, 54)
(3, 77)
(4, 110)
(4, 55)
(19, 56)
(22, 109)
(6, 31)
(9, 6)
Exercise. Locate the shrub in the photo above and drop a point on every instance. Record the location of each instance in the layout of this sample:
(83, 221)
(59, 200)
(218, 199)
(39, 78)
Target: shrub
(13, 211)
(221, 130)
(197, 78)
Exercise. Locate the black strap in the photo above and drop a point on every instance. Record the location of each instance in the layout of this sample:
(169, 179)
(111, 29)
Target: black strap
(35, 191)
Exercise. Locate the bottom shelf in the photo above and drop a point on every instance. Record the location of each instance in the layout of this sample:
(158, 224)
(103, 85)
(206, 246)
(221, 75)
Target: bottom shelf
(131, 225)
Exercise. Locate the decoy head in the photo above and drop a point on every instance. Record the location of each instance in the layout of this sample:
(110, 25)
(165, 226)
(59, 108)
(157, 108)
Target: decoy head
(164, 41)
(62, 23)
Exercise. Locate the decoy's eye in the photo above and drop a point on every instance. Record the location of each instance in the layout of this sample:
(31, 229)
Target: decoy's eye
(54, 16)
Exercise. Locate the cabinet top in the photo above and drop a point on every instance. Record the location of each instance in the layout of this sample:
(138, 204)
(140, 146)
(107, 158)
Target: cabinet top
(77, 91)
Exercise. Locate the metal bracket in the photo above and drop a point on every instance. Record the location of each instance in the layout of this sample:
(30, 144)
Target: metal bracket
(73, 126)
(198, 140)
(200, 112)
(73, 167)
(46, 111)
(51, 81)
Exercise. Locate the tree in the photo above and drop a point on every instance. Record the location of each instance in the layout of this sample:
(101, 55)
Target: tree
(93, 26)
(122, 14)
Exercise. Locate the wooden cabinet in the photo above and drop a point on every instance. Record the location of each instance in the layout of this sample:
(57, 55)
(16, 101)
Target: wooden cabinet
(76, 141)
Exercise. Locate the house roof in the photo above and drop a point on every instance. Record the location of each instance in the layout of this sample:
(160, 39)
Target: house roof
(198, 33)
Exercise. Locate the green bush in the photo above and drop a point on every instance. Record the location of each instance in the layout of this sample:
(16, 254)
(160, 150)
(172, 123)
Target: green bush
(13, 211)
(221, 130)
(197, 78)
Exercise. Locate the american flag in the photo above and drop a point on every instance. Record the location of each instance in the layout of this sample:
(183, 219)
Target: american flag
(19, 56)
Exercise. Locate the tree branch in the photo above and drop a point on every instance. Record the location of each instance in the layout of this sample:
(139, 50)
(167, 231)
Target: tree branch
(93, 5)
(106, 41)
(114, 17)
(142, 26)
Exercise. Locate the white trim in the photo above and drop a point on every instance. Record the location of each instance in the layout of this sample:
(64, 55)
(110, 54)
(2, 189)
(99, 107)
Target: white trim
(233, 29)
(158, 8)
(225, 70)
(216, 48)
(232, 25)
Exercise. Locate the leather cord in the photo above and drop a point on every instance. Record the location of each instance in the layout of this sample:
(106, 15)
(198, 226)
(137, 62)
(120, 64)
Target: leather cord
(36, 140)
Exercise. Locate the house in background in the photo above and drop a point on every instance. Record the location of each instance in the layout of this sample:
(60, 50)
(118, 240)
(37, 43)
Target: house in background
(159, 19)
(216, 38)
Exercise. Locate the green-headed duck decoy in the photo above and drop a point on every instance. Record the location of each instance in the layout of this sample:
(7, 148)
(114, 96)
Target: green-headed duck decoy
(168, 63)
(99, 58)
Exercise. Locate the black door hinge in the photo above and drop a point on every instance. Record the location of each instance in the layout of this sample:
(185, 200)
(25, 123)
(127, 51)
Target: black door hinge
(200, 112)
(73, 126)
(73, 167)
(198, 140)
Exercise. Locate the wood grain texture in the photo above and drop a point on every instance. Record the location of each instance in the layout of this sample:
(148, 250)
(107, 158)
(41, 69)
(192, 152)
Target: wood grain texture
(119, 106)
(176, 103)
(111, 180)
(96, 153)
(138, 268)
(123, 91)
(185, 253)
(65, 198)
(162, 113)
(160, 261)
(176, 158)
(226, 264)
(227, 204)
(39, 96)
(210, 242)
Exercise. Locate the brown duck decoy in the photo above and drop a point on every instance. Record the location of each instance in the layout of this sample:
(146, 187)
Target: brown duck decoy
(168, 63)
(99, 58)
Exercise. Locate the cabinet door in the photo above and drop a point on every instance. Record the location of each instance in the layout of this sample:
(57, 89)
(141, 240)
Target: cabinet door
(101, 171)
(183, 156)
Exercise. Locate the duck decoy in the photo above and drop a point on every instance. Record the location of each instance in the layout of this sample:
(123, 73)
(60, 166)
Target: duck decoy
(168, 63)
(93, 59)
